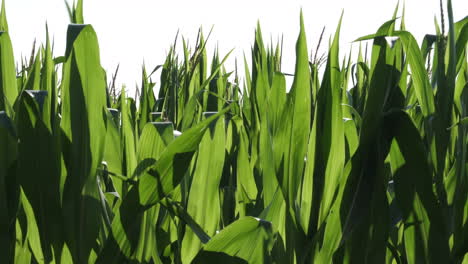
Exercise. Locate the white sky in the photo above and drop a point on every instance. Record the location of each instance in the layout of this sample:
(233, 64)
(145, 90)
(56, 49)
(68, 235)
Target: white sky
(132, 31)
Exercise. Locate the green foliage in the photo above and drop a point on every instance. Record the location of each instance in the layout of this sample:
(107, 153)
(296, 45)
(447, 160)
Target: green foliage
(361, 162)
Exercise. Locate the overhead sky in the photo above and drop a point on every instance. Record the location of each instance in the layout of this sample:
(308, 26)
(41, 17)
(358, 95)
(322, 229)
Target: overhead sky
(131, 32)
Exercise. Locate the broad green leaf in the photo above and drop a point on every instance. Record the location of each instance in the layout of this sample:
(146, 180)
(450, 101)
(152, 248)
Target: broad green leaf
(308, 185)
(329, 128)
(300, 110)
(127, 232)
(267, 162)
(165, 176)
(207, 257)
(133, 231)
(246, 186)
(3, 18)
(419, 76)
(84, 131)
(39, 170)
(113, 152)
(205, 187)
(78, 13)
(289, 147)
(8, 88)
(415, 60)
(461, 45)
(277, 100)
(32, 233)
(425, 232)
(48, 83)
(129, 137)
(359, 202)
(22, 251)
(153, 141)
(248, 238)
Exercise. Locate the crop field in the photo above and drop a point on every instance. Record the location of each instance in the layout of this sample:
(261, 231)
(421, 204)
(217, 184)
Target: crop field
(359, 161)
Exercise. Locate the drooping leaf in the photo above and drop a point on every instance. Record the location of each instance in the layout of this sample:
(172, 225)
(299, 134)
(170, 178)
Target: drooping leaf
(247, 238)
(165, 176)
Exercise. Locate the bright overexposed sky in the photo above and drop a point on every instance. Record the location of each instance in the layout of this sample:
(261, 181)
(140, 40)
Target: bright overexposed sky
(131, 32)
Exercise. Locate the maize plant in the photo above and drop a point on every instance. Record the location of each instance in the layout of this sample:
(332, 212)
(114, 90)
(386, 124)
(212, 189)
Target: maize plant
(359, 161)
